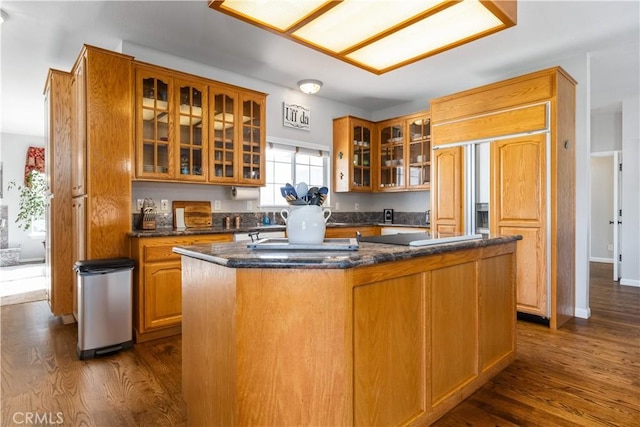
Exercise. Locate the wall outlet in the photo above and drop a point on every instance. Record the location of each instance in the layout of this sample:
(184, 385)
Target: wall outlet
(216, 205)
(139, 204)
(357, 206)
(164, 205)
(337, 207)
(609, 247)
(249, 205)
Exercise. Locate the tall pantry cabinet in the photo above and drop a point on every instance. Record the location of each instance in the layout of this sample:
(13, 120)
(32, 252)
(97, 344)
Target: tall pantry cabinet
(57, 133)
(529, 123)
(102, 131)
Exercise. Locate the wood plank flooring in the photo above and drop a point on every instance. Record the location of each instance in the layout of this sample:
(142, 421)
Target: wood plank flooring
(585, 374)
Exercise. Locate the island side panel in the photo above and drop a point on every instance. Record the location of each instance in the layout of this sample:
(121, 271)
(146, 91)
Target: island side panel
(209, 343)
(294, 341)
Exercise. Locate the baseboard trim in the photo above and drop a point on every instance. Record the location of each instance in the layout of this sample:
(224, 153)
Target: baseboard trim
(582, 313)
(630, 282)
(603, 260)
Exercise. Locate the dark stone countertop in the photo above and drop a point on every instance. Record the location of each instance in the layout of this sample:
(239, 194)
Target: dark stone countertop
(237, 255)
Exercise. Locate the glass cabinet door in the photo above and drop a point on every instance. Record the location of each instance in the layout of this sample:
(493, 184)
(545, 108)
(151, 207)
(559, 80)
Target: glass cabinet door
(154, 124)
(252, 143)
(192, 131)
(419, 151)
(223, 128)
(362, 146)
(392, 167)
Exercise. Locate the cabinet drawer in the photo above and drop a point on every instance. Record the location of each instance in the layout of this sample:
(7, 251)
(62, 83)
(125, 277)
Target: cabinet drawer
(164, 252)
(160, 253)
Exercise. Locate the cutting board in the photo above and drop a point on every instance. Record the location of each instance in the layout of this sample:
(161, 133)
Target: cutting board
(196, 214)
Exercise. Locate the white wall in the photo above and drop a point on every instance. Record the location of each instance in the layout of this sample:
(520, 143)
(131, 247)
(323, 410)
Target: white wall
(13, 155)
(630, 235)
(606, 129)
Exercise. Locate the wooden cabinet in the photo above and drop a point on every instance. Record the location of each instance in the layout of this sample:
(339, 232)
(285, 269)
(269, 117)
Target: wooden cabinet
(192, 130)
(196, 130)
(155, 157)
(396, 343)
(157, 285)
(353, 155)
(392, 155)
(252, 161)
(404, 153)
(103, 126)
(530, 122)
(58, 248)
(447, 214)
(78, 129)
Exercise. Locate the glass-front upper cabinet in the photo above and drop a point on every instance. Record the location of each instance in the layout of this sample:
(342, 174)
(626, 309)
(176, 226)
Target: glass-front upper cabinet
(362, 146)
(419, 141)
(154, 122)
(353, 155)
(252, 162)
(222, 157)
(392, 155)
(192, 130)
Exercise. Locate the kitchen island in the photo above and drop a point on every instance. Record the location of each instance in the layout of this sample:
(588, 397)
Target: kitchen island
(384, 335)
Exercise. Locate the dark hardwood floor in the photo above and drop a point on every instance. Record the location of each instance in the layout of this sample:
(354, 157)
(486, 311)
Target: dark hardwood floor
(585, 374)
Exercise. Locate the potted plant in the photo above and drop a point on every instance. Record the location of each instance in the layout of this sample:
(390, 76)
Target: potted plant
(33, 199)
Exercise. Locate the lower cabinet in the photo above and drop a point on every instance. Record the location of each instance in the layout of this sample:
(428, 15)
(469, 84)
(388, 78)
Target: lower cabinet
(157, 285)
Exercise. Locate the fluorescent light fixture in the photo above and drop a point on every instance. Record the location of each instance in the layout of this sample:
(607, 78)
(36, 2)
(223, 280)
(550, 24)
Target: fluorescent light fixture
(310, 86)
(377, 35)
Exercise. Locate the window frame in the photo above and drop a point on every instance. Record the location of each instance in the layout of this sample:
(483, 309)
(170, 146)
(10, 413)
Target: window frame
(295, 148)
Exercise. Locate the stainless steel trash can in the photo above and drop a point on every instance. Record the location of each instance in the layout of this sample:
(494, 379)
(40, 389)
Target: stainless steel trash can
(104, 306)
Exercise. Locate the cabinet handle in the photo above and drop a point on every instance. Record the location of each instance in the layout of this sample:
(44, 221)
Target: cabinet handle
(341, 175)
(340, 155)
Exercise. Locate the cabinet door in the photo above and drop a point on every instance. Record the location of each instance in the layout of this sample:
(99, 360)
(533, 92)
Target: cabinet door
(192, 132)
(154, 123)
(353, 155)
(162, 295)
(223, 106)
(79, 133)
(419, 152)
(518, 206)
(391, 155)
(79, 239)
(361, 155)
(447, 191)
(252, 143)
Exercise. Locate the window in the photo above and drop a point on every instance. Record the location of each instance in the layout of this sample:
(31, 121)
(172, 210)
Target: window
(292, 164)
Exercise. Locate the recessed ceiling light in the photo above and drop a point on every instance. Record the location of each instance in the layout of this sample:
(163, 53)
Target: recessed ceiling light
(377, 35)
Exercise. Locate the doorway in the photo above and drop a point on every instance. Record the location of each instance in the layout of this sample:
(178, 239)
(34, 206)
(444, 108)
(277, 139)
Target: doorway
(605, 209)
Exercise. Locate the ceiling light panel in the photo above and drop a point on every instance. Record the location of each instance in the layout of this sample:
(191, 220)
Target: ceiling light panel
(450, 26)
(352, 22)
(279, 14)
(377, 35)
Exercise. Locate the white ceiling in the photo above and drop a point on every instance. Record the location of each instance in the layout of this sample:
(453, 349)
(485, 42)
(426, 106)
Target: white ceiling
(37, 36)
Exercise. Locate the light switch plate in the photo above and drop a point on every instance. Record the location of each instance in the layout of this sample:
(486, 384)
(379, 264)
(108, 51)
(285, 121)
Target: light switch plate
(139, 204)
(216, 205)
(164, 205)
